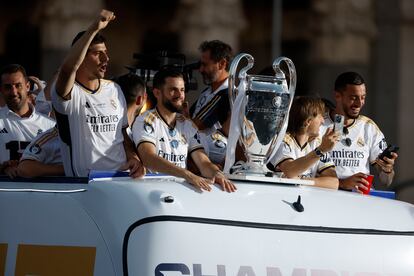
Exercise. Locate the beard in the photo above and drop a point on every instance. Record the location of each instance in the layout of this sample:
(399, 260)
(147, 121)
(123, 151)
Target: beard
(348, 112)
(16, 104)
(171, 107)
(209, 78)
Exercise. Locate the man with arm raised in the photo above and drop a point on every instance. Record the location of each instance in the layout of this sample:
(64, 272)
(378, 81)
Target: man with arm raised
(91, 111)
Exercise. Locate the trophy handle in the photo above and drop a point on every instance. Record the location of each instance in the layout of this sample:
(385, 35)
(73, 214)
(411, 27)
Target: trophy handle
(292, 73)
(233, 90)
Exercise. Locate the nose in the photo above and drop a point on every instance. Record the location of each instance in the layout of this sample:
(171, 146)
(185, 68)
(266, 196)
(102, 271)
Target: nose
(359, 102)
(104, 57)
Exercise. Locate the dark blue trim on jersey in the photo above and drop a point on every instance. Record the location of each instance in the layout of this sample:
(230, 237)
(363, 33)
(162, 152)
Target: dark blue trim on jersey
(87, 89)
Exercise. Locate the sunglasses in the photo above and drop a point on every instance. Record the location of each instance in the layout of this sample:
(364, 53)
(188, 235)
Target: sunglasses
(347, 141)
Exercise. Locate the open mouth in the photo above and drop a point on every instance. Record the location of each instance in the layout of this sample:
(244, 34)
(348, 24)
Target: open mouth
(103, 68)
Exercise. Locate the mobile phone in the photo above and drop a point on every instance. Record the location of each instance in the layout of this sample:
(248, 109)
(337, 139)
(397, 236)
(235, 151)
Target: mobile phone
(339, 123)
(387, 152)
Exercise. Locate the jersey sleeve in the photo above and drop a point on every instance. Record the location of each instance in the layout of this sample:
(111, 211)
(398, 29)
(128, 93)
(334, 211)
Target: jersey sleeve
(325, 162)
(144, 129)
(194, 140)
(35, 151)
(59, 104)
(378, 143)
(123, 103)
(283, 153)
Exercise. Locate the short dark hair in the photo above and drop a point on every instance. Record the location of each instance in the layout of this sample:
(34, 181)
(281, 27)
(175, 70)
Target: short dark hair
(218, 50)
(97, 39)
(162, 75)
(11, 69)
(346, 78)
(131, 85)
(303, 108)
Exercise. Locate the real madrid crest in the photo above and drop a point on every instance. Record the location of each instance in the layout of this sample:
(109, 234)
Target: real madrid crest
(113, 103)
(360, 142)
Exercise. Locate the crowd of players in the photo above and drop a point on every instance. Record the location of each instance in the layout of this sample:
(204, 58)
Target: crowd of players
(93, 125)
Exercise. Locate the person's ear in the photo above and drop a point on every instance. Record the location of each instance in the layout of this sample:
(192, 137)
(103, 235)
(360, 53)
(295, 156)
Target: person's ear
(222, 64)
(139, 100)
(337, 95)
(307, 122)
(27, 86)
(156, 92)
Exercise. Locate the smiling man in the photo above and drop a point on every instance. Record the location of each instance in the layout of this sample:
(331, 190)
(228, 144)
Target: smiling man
(362, 141)
(19, 121)
(91, 111)
(164, 138)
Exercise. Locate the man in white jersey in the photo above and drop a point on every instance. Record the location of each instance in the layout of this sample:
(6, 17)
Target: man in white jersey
(19, 120)
(164, 138)
(212, 107)
(42, 156)
(302, 154)
(361, 141)
(91, 111)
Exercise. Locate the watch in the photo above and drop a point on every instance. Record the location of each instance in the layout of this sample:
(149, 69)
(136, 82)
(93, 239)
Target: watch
(318, 152)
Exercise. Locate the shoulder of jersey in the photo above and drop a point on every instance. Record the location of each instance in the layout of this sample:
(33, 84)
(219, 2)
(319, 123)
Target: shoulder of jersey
(3, 111)
(181, 118)
(368, 121)
(288, 139)
(105, 82)
(149, 116)
(43, 116)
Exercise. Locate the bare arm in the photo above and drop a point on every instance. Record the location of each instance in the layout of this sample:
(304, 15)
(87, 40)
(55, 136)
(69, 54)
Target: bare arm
(385, 169)
(327, 179)
(293, 168)
(76, 55)
(155, 163)
(32, 168)
(211, 171)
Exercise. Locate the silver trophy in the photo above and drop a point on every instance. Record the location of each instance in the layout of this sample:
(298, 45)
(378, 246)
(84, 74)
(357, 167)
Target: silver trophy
(260, 108)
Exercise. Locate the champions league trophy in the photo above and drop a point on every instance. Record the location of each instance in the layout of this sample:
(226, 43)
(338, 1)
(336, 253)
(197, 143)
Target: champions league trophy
(260, 109)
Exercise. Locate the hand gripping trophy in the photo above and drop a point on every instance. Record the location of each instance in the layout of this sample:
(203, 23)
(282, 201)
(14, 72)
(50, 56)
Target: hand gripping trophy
(260, 109)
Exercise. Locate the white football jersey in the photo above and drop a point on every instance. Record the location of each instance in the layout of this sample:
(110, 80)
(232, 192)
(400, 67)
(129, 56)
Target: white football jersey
(17, 132)
(90, 128)
(216, 144)
(172, 144)
(290, 149)
(45, 148)
(355, 151)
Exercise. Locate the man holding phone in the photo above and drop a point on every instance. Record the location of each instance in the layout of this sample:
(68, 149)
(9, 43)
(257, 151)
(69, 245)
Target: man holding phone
(362, 142)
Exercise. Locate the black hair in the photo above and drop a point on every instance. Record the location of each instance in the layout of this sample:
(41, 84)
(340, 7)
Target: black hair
(11, 69)
(163, 74)
(98, 38)
(218, 50)
(346, 78)
(131, 85)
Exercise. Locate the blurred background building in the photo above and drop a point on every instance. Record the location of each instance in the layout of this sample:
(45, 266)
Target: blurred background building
(322, 37)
